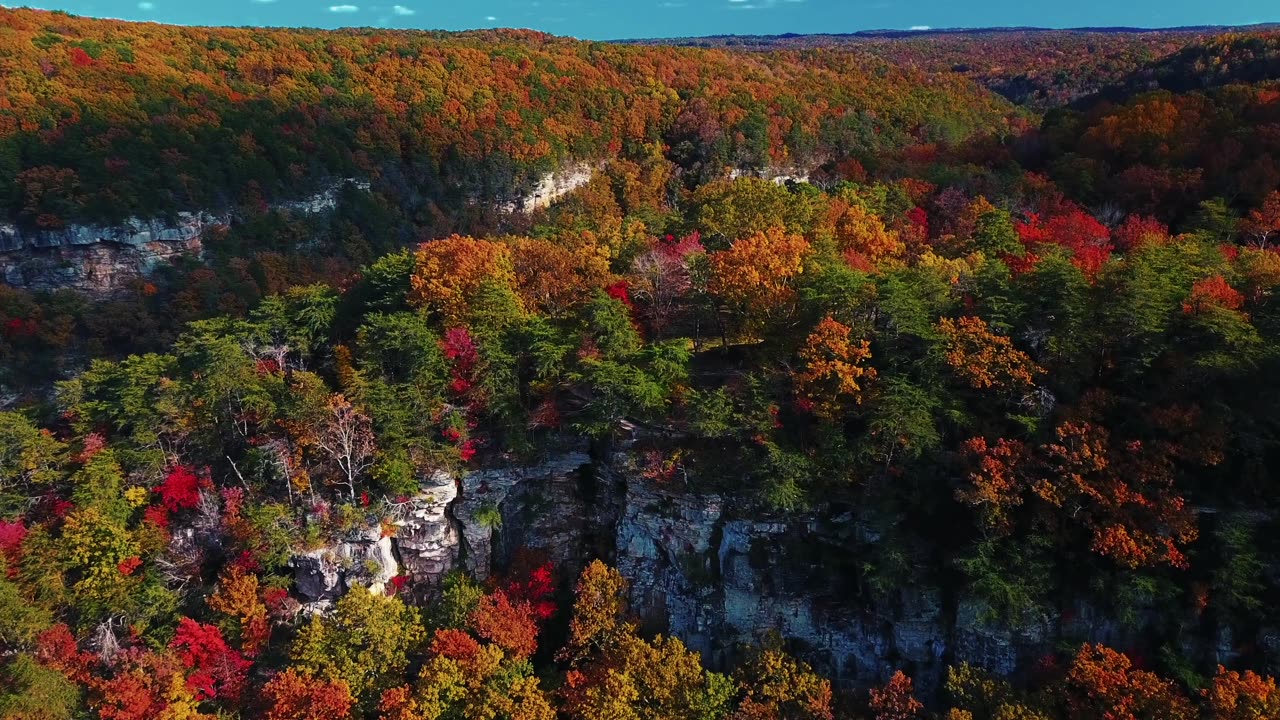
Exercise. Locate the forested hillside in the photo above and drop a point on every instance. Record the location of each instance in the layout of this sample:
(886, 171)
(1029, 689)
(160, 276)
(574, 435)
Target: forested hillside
(1190, 139)
(102, 120)
(1040, 69)
(835, 389)
(1220, 60)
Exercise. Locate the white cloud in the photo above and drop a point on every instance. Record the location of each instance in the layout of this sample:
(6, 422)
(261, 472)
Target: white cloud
(919, 28)
(403, 11)
(343, 9)
(264, 2)
(146, 6)
(490, 18)
(759, 4)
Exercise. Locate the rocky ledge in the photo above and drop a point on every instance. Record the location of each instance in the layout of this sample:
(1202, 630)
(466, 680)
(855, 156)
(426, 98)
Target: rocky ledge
(101, 259)
(98, 259)
(552, 187)
(697, 571)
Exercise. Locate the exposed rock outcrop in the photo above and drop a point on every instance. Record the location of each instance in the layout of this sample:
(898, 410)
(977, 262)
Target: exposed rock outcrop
(98, 259)
(718, 581)
(428, 538)
(102, 259)
(475, 522)
(551, 187)
(776, 175)
(722, 584)
(324, 201)
(366, 559)
(556, 506)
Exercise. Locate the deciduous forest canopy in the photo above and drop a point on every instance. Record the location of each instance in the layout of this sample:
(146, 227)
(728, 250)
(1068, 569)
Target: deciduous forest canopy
(512, 376)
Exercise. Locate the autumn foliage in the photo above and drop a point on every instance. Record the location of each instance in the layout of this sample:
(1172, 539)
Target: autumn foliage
(294, 696)
(1240, 696)
(1103, 683)
(1088, 240)
(449, 273)
(239, 597)
(834, 368)
(510, 626)
(835, 331)
(1122, 495)
(985, 360)
(474, 99)
(896, 700)
(216, 670)
(180, 489)
(1213, 292)
(753, 277)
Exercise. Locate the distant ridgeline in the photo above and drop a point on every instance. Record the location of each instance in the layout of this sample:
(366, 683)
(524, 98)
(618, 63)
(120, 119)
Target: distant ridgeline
(104, 120)
(1043, 69)
(1217, 61)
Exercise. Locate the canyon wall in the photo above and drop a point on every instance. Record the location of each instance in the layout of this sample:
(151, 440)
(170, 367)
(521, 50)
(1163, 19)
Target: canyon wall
(719, 582)
(101, 259)
(95, 258)
(552, 187)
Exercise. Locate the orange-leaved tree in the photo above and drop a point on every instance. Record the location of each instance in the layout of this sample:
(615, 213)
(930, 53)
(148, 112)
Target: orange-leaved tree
(1241, 697)
(292, 695)
(985, 360)
(1103, 683)
(448, 273)
(1121, 493)
(896, 700)
(834, 371)
(552, 279)
(753, 279)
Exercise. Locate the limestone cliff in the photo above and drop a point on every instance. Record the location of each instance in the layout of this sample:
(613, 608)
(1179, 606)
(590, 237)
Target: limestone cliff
(717, 580)
(96, 258)
(101, 259)
(552, 187)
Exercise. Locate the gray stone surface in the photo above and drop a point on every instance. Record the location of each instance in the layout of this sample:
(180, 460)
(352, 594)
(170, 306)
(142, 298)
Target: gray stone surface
(366, 560)
(718, 581)
(102, 259)
(552, 187)
(427, 538)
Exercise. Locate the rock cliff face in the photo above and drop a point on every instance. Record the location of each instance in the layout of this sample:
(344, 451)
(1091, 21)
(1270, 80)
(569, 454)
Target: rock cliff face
(101, 259)
(427, 536)
(776, 175)
(722, 583)
(366, 559)
(552, 187)
(98, 259)
(476, 522)
(717, 581)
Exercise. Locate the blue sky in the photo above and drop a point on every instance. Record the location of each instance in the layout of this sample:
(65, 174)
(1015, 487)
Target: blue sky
(611, 19)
